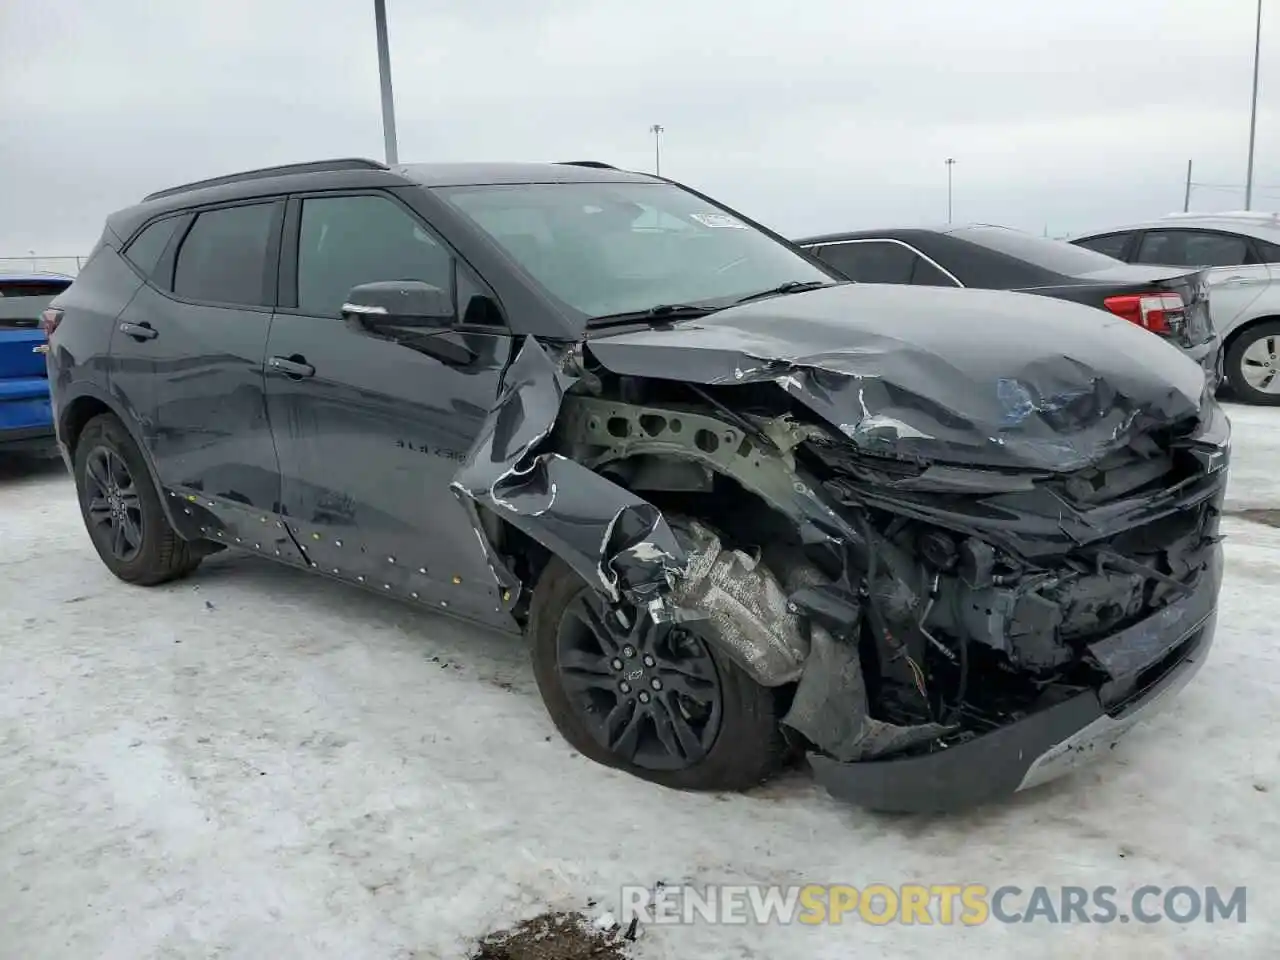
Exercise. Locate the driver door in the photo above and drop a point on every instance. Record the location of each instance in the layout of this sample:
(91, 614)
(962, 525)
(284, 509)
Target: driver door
(370, 432)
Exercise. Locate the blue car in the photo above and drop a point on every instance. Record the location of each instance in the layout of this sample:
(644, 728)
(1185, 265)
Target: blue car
(26, 419)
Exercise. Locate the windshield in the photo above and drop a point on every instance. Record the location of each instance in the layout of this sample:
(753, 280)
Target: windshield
(614, 248)
(1058, 256)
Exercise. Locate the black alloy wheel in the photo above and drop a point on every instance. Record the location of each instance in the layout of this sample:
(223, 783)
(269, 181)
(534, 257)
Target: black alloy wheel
(122, 509)
(666, 702)
(648, 693)
(113, 505)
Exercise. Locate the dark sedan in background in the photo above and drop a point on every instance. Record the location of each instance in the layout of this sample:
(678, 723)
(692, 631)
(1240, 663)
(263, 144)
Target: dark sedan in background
(1171, 302)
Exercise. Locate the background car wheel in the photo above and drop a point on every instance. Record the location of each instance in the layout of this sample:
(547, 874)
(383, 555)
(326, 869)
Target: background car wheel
(1253, 365)
(660, 701)
(122, 510)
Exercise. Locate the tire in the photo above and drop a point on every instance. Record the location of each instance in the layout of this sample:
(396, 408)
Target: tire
(159, 555)
(748, 745)
(1235, 363)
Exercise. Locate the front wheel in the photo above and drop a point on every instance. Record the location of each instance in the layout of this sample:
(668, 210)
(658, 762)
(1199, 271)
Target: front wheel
(122, 510)
(660, 701)
(1252, 365)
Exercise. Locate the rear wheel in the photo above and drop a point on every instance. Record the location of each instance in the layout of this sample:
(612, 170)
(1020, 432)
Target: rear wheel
(660, 701)
(1252, 364)
(121, 508)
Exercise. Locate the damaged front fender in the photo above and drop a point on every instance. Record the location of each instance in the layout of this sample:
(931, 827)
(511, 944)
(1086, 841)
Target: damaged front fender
(620, 543)
(613, 539)
(623, 546)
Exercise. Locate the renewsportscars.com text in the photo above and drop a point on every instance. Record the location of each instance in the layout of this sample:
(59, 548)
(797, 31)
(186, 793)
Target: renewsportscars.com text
(928, 904)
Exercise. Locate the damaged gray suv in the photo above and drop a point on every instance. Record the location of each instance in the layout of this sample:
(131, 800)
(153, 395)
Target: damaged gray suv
(947, 543)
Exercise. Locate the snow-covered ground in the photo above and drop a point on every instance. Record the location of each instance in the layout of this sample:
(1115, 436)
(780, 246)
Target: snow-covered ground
(257, 764)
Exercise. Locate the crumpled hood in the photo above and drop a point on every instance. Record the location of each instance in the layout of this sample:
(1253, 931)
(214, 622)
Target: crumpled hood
(978, 377)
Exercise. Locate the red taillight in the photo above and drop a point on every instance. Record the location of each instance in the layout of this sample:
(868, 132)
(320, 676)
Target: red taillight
(49, 321)
(1157, 312)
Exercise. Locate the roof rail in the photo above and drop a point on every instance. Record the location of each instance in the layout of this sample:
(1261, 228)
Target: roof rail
(313, 166)
(597, 164)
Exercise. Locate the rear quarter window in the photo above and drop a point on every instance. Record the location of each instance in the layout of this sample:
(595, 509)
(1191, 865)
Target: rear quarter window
(148, 246)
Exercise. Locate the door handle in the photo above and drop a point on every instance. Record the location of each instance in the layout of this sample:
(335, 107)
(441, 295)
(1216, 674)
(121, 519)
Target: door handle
(1233, 280)
(294, 367)
(139, 331)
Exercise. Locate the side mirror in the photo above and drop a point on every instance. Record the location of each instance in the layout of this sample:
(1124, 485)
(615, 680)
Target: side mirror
(399, 303)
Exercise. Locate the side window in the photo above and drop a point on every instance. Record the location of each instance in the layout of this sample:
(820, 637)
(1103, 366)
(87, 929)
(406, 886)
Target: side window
(223, 258)
(925, 274)
(347, 241)
(1113, 244)
(1192, 248)
(1268, 252)
(870, 261)
(148, 246)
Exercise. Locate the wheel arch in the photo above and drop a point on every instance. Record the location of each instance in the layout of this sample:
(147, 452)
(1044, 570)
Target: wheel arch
(1239, 329)
(75, 412)
(625, 442)
(697, 465)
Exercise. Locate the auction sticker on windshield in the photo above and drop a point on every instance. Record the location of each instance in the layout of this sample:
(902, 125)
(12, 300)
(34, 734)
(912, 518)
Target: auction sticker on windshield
(718, 220)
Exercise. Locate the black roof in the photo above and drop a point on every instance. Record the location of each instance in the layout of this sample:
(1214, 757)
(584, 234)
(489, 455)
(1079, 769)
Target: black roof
(356, 173)
(468, 174)
(891, 233)
(269, 173)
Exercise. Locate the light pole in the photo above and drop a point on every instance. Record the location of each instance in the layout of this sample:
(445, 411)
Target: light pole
(384, 78)
(1253, 111)
(950, 163)
(657, 130)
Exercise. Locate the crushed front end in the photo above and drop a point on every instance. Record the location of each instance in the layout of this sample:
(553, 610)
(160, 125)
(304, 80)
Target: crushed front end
(965, 563)
(1011, 625)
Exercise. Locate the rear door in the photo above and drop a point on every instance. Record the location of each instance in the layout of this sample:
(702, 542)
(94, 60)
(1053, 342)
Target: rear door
(190, 346)
(24, 384)
(1235, 282)
(371, 431)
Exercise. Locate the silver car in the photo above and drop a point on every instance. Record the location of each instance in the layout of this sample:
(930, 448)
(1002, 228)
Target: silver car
(1241, 252)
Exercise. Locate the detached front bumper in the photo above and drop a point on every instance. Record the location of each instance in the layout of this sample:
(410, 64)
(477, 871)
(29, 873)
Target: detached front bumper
(1146, 665)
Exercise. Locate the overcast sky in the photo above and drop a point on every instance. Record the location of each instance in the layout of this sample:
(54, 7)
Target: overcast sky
(817, 115)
